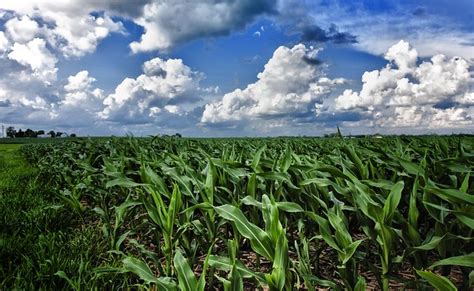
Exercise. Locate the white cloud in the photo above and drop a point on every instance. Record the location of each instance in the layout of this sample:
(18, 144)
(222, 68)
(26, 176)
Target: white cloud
(22, 29)
(408, 94)
(171, 22)
(80, 82)
(35, 55)
(68, 26)
(79, 92)
(4, 43)
(291, 83)
(172, 109)
(163, 81)
(76, 27)
(80, 35)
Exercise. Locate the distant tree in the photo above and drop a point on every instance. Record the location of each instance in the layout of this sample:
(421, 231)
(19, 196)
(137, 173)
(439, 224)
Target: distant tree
(39, 132)
(52, 134)
(20, 133)
(11, 132)
(58, 134)
(72, 135)
(178, 135)
(30, 133)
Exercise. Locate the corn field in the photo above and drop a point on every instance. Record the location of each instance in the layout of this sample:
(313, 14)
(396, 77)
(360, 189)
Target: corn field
(273, 214)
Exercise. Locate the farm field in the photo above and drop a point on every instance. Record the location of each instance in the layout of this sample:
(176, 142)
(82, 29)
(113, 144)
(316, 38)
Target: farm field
(238, 214)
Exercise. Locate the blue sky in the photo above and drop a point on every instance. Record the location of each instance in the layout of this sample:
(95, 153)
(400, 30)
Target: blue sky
(237, 68)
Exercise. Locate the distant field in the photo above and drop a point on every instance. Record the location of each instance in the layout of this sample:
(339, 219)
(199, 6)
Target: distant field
(26, 140)
(30, 140)
(266, 213)
(8, 147)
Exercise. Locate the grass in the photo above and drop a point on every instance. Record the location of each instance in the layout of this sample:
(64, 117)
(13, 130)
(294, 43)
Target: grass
(39, 239)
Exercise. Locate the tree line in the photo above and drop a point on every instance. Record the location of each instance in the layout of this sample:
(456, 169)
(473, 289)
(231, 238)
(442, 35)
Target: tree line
(13, 133)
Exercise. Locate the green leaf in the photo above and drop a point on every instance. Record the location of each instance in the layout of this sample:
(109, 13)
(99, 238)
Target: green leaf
(63, 275)
(289, 207)
(210, 181)
(360, 285)
(451, 195)
(350, 250)
(256, 158)
(392, 201)
(322, 182)
(360, 167)
(280, 264)
(465, 183)
(139, 268)
(252, 185)
(383, 184)
(259, 240)
(225, 264)
(432, 244)
(122, 182)
(465, 261)
(324, 230)
(286, 161)
(411, 168)
(468, 221)
(150, 177)
(186, 279)
(437, 281)
(276, 176)
(237, 282)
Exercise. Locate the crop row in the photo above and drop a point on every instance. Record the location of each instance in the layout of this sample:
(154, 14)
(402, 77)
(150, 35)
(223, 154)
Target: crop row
(280, 214)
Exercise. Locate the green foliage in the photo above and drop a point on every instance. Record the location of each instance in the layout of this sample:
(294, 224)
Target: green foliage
(195, 214)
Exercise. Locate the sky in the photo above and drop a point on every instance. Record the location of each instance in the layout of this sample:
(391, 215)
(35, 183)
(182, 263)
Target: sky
(216, 68)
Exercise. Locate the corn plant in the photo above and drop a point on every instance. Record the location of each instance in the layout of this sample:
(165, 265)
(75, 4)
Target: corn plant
(399, 201)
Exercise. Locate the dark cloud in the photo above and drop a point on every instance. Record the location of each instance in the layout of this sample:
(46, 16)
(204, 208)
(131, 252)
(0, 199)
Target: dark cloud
(132, 8)
(314, 33)
(312, 61)
(329, 117)
(5, 103)
(186, 98)
(446, 104)
(181, 21)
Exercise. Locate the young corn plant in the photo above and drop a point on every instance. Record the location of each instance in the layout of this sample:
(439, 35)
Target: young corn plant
(334, 232)
(270, 243)
(164, 216)
(110, 229)
(382, 216)
(187, 281)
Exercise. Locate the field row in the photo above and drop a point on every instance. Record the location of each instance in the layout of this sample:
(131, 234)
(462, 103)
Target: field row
(271, 213)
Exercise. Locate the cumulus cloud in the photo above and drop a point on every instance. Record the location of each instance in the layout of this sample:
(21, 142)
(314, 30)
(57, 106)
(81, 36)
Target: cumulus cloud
(22, 29)
(406, 93)
(289, 85)
(35, 55)
(164, 84)
(74, 106)
(76, 27)
(171, 22)
(68, 26)
(79, 91)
